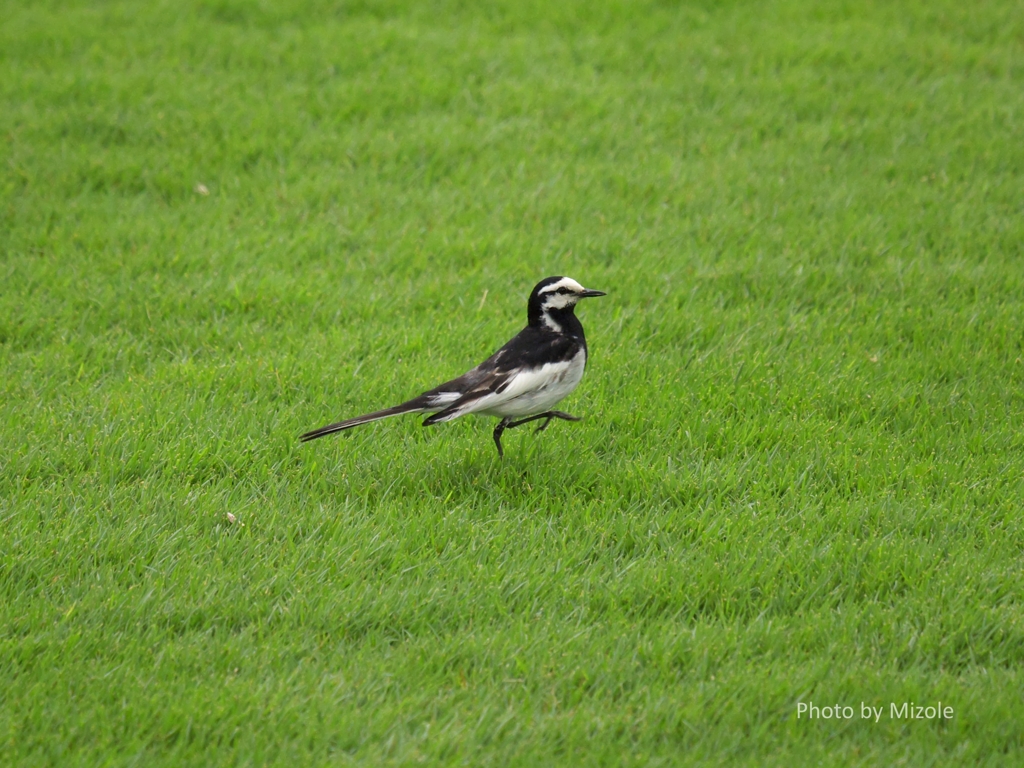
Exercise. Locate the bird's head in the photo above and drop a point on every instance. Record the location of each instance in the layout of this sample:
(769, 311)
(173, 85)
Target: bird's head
(554, 297)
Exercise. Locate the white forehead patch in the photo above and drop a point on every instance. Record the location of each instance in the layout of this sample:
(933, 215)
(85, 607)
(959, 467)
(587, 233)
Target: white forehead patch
(570, 294)
(565, 282)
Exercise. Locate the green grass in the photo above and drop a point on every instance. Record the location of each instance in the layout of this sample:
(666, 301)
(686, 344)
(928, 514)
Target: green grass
(800, 475)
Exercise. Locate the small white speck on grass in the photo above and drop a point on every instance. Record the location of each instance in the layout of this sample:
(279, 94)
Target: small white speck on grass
(232, 519)
(202, 190)
(873, 358)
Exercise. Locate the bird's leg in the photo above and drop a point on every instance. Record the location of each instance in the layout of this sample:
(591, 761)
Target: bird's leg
(557, 415)
(565, 416)
(548, 415)
(507, 423)
(497, 434)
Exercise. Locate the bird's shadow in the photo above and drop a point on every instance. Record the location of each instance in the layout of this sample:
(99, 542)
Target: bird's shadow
(461, 471)
(459, 466)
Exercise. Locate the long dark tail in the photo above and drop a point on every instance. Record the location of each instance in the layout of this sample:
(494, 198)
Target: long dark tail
(413, 406)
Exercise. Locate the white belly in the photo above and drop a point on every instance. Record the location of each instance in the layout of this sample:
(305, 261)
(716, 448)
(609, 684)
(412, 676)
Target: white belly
(540, 390)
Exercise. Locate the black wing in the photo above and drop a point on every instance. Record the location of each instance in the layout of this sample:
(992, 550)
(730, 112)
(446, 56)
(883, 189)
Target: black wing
(530, 349)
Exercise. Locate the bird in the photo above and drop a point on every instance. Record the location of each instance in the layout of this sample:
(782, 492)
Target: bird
(519, 383)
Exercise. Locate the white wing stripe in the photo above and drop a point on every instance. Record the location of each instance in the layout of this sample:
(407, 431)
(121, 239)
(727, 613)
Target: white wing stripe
(443, 399)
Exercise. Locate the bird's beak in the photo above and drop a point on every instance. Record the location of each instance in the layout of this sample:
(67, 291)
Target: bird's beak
(589, 294)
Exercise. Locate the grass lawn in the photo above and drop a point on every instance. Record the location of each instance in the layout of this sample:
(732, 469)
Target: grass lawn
(800, 476)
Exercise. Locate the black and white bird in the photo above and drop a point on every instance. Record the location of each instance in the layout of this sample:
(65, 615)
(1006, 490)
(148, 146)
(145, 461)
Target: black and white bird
(520, 382)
